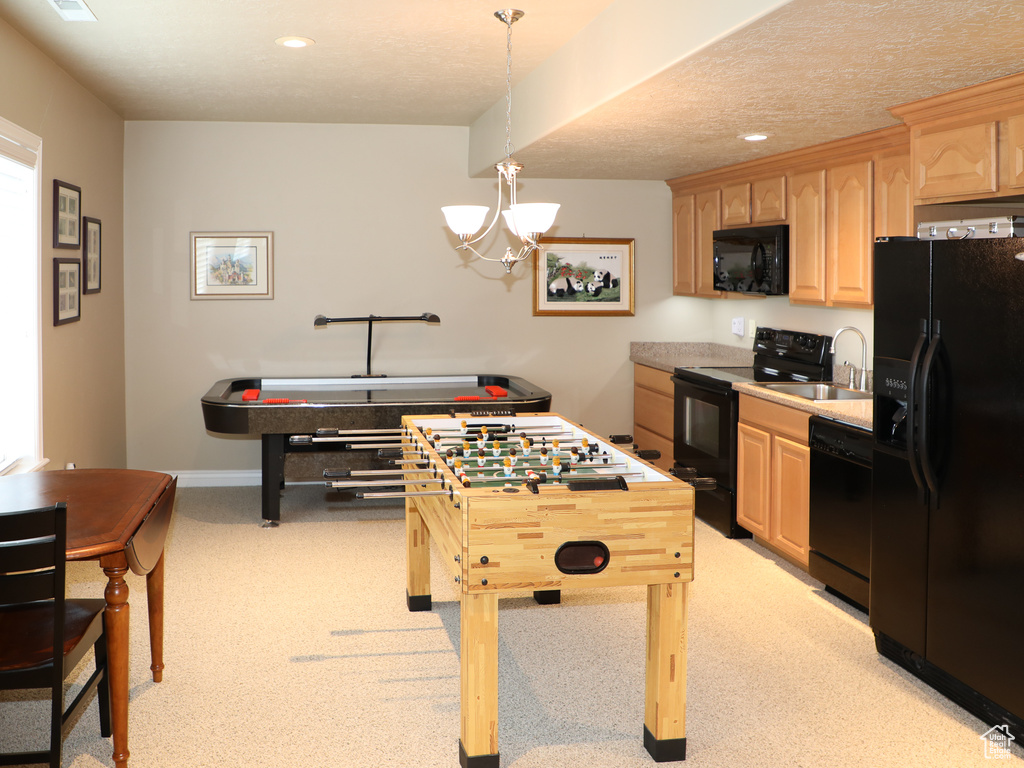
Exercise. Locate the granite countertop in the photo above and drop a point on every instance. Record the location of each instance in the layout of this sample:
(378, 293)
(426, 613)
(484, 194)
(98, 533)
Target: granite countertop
(669, 355)
(855, 412)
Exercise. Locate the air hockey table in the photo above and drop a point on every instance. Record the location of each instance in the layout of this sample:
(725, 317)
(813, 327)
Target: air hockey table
(276, 409)
(607, 519)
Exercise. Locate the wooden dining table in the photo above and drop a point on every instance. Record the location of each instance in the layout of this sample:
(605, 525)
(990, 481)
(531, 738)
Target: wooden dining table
(120, 518)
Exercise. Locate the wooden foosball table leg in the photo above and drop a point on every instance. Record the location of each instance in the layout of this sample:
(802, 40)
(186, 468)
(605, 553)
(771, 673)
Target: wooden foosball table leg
(478, 745)
(417, 554)
(665, 701)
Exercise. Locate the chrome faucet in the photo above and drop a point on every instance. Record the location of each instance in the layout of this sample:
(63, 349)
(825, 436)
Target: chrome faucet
(863, 354)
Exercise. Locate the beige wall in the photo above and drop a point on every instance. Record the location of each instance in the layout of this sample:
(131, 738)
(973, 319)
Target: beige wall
(358, 231)
(83, 362)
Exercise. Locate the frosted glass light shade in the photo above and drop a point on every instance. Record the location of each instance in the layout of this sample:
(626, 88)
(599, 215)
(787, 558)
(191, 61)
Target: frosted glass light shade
(531, 217)
(465, 219)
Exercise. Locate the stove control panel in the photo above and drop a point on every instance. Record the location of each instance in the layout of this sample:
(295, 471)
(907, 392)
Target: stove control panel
(793, 345)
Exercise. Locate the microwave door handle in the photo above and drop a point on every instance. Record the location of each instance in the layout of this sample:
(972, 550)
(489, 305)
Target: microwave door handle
(912, 400)
(927, 371)
(757, 255)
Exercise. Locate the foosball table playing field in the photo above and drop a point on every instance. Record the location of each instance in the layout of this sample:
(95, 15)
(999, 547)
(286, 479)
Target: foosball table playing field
(535, 503)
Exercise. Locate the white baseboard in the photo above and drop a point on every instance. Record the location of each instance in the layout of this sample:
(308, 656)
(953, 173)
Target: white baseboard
(209, 478)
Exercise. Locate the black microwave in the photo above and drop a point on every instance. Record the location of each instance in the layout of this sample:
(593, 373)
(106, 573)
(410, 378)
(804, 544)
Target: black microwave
(752, 260)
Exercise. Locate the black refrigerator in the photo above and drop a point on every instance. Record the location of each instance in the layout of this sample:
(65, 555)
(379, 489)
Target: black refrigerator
(947, 535)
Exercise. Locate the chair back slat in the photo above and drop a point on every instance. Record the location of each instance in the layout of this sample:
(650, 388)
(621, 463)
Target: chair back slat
(29, 587)
(26, 524)
(28, 554)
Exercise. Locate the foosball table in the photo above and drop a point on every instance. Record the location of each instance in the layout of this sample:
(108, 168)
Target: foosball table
(536, 503)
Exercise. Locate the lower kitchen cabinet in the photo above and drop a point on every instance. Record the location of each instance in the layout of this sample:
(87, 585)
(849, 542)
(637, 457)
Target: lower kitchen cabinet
(773, 476)
(653, 403)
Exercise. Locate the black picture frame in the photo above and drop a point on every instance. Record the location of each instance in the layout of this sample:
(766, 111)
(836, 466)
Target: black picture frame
(67, 291)
(67, 215)
(92, 248)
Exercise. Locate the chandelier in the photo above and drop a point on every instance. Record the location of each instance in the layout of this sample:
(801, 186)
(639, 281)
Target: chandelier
(527, 221)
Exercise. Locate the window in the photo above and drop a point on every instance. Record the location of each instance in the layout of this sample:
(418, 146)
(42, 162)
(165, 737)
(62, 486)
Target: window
(20, 322)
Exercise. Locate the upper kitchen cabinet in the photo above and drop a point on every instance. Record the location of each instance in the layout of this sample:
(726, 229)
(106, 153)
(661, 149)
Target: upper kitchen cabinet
(835, 197)
(967, 144)
(695, 217)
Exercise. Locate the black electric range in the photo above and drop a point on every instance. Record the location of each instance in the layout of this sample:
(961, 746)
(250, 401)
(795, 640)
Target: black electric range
(707, 411)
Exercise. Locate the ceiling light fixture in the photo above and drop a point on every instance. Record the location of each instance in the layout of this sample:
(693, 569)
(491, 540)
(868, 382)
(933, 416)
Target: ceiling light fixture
(527, 221)
(753, 136)
(73, 10)
(292, 41)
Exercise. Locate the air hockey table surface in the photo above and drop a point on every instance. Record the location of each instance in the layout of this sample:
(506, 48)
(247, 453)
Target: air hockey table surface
(277, 408)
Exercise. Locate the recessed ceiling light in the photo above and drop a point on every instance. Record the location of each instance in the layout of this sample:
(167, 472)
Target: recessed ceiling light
(291, 41)
(753, 136)
(73, 10)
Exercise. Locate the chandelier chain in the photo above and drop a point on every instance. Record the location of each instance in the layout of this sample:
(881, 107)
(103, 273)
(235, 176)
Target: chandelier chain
(509, 148)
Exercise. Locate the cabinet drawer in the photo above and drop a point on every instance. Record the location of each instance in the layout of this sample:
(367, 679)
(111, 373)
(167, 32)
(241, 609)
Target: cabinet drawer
(776, 418)
(653, 411)
(652, 378)
(650, 441)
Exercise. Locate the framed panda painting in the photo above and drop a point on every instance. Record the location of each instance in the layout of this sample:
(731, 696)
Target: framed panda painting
(583, 276)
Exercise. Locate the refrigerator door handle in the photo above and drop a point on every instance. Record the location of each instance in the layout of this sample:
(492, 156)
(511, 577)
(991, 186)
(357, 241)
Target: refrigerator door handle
(928, 368)
(912, 421)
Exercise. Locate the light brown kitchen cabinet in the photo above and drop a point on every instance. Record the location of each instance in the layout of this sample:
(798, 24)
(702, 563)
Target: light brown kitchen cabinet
(967, 144)
(954, 162)
(849, 227)
(894, 195)
(807, 237)
(768, 200)
(735, 205)
(653, 409)
(684, 282)
(773, 476)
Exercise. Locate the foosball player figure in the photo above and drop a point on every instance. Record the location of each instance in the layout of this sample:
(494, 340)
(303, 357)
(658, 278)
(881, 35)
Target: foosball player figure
(508, 467)
(522, 439)
(556, 467)
(574, 455)
(496, 449)
(450, 457)
(481, 458)
(543, 457)
(463, 427)
(459, 470)
(465, 449)
(554, 448)
(526, 449)
(512, 457)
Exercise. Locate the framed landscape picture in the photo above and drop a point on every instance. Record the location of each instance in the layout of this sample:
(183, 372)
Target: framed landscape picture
(67, 291)
(583, 276)
(232, 265)
(91, 254)
(67, 215)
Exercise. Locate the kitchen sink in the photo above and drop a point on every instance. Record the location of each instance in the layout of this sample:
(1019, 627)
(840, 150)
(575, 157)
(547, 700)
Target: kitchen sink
(818, 392)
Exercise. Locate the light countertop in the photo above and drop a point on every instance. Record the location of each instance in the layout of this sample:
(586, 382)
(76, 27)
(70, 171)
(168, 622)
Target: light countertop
(856, 412)
(669, 355)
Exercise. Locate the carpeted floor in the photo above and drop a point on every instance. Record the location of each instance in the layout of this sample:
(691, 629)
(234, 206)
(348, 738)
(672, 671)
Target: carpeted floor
(292, 647)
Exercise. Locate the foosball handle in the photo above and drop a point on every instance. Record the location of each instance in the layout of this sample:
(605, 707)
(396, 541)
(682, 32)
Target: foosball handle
(649, 454)
(620, 439)
(390, 453)
(683, 473)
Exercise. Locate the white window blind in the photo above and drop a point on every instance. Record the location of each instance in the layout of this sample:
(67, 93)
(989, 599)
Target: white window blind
(20, 322)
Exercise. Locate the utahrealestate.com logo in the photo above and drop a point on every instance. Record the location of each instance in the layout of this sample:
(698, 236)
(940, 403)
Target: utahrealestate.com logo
(997, 742)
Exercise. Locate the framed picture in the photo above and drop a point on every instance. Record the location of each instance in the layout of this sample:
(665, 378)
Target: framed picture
(91, 254)
(67, 291)
(583, 276)
(232, 265)
(67, 215)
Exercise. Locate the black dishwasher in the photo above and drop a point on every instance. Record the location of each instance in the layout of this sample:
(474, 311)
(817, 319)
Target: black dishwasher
(840, 508)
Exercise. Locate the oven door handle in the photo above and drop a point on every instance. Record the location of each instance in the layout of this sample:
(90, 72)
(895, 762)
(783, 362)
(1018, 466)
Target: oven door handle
(710, 389)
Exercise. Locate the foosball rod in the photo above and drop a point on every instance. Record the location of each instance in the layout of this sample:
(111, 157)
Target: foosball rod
(378, 483)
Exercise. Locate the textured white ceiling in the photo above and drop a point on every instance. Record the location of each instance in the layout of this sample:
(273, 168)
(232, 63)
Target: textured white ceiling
(810, 71)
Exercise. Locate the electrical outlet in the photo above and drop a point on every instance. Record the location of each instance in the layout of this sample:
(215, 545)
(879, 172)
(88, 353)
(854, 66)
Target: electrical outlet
(752, 328)
(737, 326)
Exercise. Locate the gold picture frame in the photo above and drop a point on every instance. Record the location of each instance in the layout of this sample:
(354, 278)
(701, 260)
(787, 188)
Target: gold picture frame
(589, 276)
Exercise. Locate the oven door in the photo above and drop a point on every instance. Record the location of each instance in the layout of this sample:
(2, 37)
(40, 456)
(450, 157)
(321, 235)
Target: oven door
(704, 437)
(704, 433)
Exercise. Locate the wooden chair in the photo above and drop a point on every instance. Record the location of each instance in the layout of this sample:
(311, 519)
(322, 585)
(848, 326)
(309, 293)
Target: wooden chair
(35, 618)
